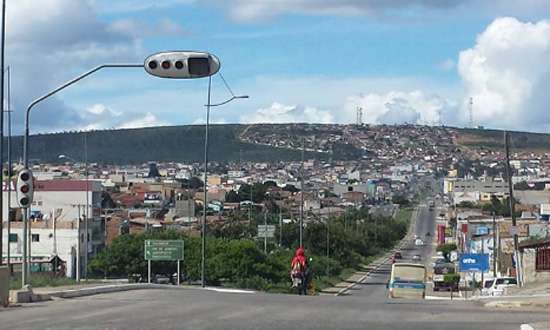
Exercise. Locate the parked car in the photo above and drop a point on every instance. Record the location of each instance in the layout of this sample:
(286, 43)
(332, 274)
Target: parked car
(417, 257)
(161, 279)
(418, 242)
(495, 287)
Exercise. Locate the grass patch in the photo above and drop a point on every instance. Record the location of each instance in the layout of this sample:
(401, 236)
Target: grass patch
(42, 281)
(404, 214)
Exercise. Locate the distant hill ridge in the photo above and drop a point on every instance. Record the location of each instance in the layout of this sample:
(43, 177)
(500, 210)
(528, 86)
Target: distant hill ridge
(234, 142)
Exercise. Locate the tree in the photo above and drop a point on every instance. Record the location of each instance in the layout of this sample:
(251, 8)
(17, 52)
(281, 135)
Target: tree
(195, 183)
(467, 204)
(400, 199)
(232, 197)
(446, 249)
(270, 183)
(290, 188)
(522, 186)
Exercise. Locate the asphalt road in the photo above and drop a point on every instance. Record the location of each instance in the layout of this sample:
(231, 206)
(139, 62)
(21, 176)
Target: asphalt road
(201, 309)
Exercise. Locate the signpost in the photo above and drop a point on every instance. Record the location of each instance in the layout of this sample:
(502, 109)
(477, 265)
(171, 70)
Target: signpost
(266, 231)
(163, 250)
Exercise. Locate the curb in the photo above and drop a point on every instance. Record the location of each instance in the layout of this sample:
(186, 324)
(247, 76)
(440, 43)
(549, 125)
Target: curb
(102, 289)
(30, 297)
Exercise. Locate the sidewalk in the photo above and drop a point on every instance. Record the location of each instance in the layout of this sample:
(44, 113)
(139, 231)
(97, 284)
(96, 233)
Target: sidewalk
(359, 276)
(520, 303)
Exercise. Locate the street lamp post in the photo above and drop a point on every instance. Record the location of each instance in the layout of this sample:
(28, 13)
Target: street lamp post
(176, 65)
(205, 187)
(3, 37)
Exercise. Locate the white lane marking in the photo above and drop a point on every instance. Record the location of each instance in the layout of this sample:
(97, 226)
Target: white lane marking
(229, 290)
(526, 327)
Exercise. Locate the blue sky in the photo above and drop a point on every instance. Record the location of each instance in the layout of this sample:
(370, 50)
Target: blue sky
(303, 60)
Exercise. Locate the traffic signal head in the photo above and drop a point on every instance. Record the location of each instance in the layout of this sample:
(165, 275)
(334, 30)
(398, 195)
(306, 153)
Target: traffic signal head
(182, 65)
(24, 188)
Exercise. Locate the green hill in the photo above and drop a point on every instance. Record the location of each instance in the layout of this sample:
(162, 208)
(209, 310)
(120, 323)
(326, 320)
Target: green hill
(494, 139)
(172, 143)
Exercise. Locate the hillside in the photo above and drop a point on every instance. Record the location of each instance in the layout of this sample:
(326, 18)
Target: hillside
(494, 139)
(172, 143)
(267, 142)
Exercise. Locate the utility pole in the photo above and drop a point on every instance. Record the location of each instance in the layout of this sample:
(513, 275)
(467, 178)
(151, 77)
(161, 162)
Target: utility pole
(280, 228)
(78, 245)
(494, 246)
(9, 170)
(328, 242)
(265, 232)
(512, 206)
(302, 194)
(87, 206)
(251, 204)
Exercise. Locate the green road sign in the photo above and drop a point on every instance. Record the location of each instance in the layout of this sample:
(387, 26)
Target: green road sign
(165, 250)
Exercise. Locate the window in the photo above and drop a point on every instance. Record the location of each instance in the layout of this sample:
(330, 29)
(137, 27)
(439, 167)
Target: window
(542, 258)
(13, 238)
(35, 237)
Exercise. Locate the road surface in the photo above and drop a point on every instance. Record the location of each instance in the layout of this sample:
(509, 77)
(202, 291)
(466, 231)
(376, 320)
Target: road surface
(201, 309)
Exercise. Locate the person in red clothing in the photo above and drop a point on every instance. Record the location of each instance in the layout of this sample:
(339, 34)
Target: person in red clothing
(298, 271)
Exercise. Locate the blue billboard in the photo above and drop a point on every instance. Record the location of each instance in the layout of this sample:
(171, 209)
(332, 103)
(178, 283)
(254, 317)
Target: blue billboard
(474, 262)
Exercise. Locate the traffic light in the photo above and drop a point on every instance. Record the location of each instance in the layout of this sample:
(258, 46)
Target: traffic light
(24, 188)
(182, 65)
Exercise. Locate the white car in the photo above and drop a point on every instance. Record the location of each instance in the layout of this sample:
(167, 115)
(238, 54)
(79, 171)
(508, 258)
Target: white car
(495, 287)
(418, 242)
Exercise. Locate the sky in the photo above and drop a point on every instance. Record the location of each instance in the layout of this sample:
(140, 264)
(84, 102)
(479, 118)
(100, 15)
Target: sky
(317, 61)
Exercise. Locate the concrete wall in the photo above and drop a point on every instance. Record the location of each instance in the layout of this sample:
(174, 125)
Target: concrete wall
(530, 275)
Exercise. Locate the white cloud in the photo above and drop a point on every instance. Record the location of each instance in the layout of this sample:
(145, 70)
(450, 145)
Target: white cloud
(280, 113)
(140, 29)
(507, 74)
(249, 10)
(99, 116)
(148, 120)
(125, 6)
(51, 43)
(397, 107)
(446, 65)
(254, 9)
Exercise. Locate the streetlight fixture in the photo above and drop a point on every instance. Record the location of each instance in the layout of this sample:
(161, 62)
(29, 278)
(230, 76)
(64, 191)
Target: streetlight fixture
(175, 65)
(205, 187)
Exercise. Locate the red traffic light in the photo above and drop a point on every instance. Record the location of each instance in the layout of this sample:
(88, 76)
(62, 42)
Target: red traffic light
(166, 64)
(24, 189)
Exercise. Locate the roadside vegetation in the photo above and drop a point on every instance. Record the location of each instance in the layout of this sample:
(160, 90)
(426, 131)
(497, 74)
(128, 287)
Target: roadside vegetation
(40, 280)
(235, 257)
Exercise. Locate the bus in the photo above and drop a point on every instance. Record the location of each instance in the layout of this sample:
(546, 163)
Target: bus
(407, 281)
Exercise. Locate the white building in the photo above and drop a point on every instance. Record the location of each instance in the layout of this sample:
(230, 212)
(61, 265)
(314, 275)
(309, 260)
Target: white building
(56, 208)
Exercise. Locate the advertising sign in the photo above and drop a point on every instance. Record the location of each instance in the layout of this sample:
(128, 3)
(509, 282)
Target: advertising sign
(474, 262)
